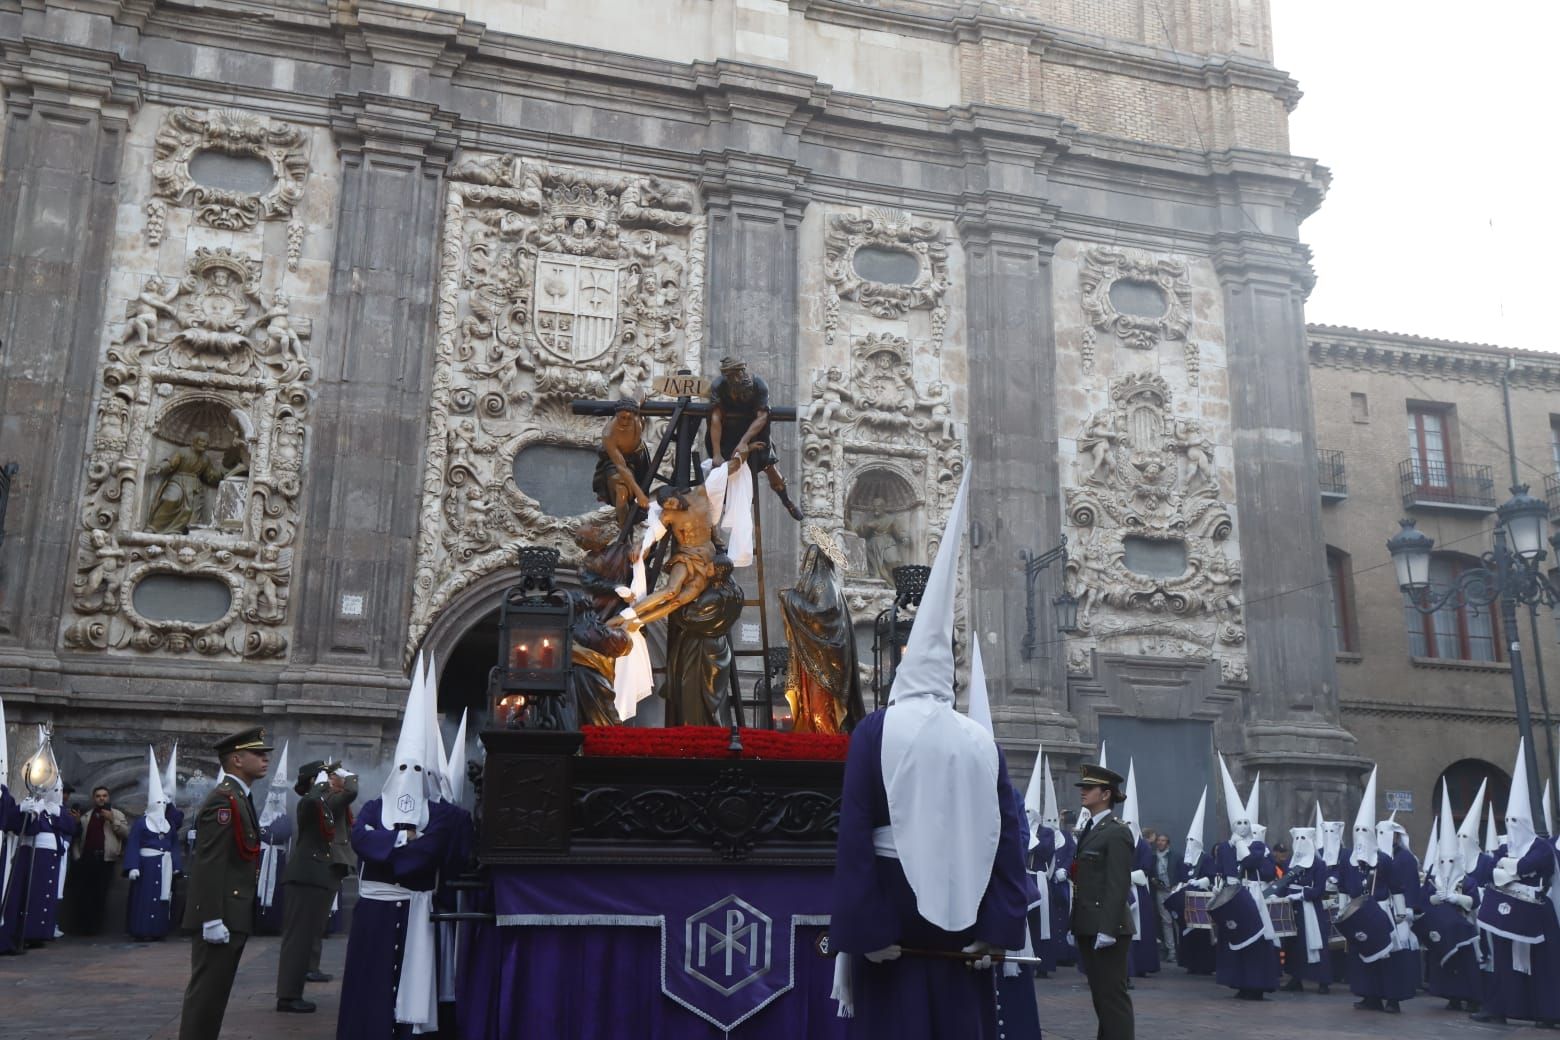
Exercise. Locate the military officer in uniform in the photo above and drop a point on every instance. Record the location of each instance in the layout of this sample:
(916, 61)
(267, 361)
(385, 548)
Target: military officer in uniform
(224, 873)
(313, 879)
(1101, 917)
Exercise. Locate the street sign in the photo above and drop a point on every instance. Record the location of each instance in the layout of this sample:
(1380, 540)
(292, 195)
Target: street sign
(680, 386)
(1400, 801)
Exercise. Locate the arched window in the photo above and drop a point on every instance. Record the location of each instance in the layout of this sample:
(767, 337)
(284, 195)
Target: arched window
(1341, 586)
(1462, 780)
(1453, 633)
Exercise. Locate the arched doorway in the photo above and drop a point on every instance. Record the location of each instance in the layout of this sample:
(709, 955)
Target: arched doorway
(1462, 779)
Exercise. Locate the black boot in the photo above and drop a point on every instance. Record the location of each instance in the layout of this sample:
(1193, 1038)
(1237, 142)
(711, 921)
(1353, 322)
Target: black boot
(1391, 1008)
(1368, 1004)
(1485, 1016)
(1322, 988)
(1293, 985)
(785, 500)
(1454, 1004)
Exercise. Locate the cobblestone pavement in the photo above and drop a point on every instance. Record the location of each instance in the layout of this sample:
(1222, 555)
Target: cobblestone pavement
(83, 989)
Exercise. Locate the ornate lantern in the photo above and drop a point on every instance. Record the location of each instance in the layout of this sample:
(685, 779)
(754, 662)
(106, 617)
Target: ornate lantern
(1525, 519)
(891, 632)
(42, 772)
(534, 624)
(1410, 549)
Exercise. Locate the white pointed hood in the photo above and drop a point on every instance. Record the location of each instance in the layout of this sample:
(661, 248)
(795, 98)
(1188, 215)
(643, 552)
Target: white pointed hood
(1194, 834)
(1130, 809)
(1549, 812)
(1364, 834)
(156, 816)
(1104, 763)
(410, 783)
(1468, 834)
(980, 698)
(1234, 808)
(1432, 847)
(1386, 836)
(438, 758)
(940, 768)
(1253, 804)
(456, 771)
(275, 807)
(5, 755)
(1302, 844)
(1332, 841)
(171, 775)
(1448, 859)
(1519, 809)
(1034, 799)
(1051, 816)
(1491, 838)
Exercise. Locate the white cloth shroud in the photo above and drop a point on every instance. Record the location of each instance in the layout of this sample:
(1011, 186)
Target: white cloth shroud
(417, 998)
(731, 507)
(269, 855)
(165, 891)
(633, 677)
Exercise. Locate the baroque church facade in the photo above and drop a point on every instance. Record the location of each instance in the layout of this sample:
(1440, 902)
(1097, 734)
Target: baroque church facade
(298, 295)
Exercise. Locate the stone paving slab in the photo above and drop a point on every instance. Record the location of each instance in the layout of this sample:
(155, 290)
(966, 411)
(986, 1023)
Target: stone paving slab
(85, 989)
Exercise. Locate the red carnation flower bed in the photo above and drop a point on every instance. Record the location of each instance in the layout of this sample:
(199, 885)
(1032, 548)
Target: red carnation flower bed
(711, 742)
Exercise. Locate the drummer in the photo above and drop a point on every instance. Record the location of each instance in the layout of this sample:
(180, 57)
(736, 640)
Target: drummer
(1450, 896)
(1306, 957)
(1246, 950)
(1381, 972)
(1194, 874)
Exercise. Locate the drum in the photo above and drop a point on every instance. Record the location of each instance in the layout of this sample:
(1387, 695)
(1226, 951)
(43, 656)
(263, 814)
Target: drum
(1367, 929)
(1334, 937)
(1236, 920)
(1282, 913)
(1195, 913)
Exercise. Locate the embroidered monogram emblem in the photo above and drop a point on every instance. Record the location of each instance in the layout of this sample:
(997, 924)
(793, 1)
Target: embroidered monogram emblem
(728, 945)
(1231, 925)
(406, 803)
(1504, 908)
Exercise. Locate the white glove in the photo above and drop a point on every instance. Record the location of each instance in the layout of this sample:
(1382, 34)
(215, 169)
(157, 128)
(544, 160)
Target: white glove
(1102, 940)
(1242, 850)
(1296, 896)
(1332, 885)
(321, 777)
(887, 953)
(1201, 883)
(214, 932)
(341, 771)
(1501, 876)
(982, 951)
(134, 874)
(1060, 875)
(1435, 899)
(402, 837)
(1507, 863)
(1139, 878)
(1463, 901)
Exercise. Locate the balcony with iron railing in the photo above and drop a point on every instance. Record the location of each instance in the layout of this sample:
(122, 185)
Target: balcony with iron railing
(1455, 486)
(1330, 475)
(1552, 495)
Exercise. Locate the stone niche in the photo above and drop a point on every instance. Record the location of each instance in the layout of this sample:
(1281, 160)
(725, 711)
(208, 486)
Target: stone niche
(1143, 409)
(556, 284)
(190, 505)
(883, 439)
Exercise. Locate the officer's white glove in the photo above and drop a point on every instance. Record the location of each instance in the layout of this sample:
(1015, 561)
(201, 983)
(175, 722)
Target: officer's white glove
(214, 932)
(1501, 876)
(134, 874)
(887, 953)
(341, 771)
(1102, 940)
(1435, 899)
(1463, 901)
(982, 952)
(1060, 875)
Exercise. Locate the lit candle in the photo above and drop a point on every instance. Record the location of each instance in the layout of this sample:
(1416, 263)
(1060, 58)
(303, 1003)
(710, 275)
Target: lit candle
(547, 654)
(521, 657)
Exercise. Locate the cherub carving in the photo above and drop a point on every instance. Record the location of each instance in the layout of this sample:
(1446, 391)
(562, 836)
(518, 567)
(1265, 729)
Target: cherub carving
(280, 338)
(940, 401)
(1190, 439)
(99, 589)
(154, 299)
(1094, 444)
(263, 600)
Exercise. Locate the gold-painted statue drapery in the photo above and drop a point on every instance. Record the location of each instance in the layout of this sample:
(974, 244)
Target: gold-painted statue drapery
(822, 681)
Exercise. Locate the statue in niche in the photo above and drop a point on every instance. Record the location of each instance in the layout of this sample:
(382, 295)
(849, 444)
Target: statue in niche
(886, 538)
(738, 426)
(154, 298)
(822, 682)
(623, 463)
(1095, 443)
(186, 474)
(698, 650)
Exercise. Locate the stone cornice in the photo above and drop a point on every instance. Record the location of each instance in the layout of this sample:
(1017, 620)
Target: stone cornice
(418, 132)
(1448, 713)
(37, 71)
(1333, 346)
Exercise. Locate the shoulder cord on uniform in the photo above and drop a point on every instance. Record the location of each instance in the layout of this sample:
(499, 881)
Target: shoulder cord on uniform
(245, 850)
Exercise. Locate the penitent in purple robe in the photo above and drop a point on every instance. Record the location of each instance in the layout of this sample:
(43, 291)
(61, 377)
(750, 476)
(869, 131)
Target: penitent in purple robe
(375, 944)
(1038, 863)
(1392, 977)
(1307, 886)
(1143, 957)
(1534, 994)
(37, 875)
(873, 906)
(1256, 966)
(1194, 952)
(148, 913)
(10, 836)
(1449, 937)
(1064, 947)
(270, 893)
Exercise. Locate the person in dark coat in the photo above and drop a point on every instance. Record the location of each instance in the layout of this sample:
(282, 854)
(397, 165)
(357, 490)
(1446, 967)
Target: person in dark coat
(1304, 884)
(312, 880)
(1101, 914)
(152, 859)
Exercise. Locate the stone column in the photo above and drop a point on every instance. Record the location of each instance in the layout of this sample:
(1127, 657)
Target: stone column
(1006, 229)
(365, 462)
(67, 111)
(1292, 730)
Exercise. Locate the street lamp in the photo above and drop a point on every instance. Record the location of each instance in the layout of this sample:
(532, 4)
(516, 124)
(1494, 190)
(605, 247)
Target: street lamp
(1510, 574)
(1066, 604)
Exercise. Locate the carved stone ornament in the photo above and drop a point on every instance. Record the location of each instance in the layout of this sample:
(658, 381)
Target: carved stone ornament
(196, 466)
(895, 231)
(556, 284)
(1105, 268)
(186, 132)
(1145, 483)
(883, 452)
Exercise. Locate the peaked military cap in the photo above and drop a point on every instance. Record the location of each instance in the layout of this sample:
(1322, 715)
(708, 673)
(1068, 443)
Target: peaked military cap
(1098, 776)
(306, 774)
(244, 740)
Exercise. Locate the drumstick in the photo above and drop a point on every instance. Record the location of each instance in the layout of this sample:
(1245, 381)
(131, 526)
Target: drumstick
(821, 947)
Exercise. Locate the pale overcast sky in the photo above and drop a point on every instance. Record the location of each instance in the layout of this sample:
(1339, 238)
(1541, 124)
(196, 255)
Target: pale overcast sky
(1438, 123)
